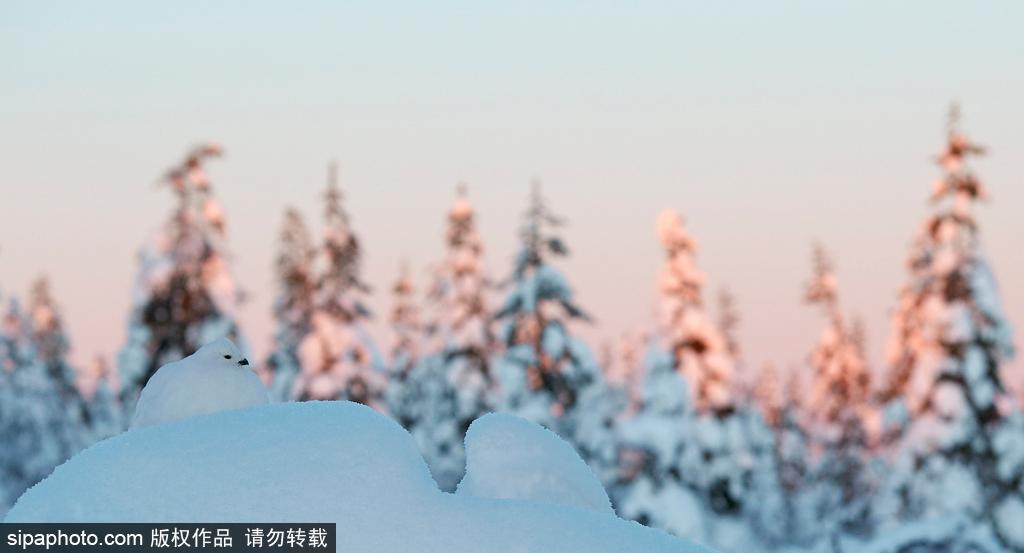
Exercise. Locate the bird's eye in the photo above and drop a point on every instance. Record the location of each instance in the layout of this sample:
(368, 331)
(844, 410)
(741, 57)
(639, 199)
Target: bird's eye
(227, 357)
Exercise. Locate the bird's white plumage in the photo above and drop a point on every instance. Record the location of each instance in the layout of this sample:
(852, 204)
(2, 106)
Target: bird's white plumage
(215, 378)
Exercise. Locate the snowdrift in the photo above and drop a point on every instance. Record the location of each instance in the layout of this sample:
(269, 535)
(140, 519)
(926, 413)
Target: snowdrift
(511, 458)
(322, 462)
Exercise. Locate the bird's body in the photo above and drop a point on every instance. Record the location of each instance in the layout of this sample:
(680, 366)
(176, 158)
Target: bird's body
(215, 378)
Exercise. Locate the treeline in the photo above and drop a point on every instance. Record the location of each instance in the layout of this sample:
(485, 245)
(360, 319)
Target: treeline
(820, 458)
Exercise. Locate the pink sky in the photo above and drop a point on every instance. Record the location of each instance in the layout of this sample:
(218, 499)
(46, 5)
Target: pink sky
(768, 130)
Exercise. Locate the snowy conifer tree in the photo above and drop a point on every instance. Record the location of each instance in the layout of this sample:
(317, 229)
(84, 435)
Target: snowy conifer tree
(407, 401)
(103, 412)
(36, 430)
(626, 371)
(406, 325)
(838, 411)
(689, 451)
(51, 341)
(783, 513)
(728, 321)
(337, 356)
(185, 295)
(841, 377)
(949, 338)
(461, 319)
(768, 395)
(453, 384)
(653, 444)
(52, 345)
(607, 403)
(698, 348)
(420, 395)
(293, 307)
(544, 367)
(698, 351)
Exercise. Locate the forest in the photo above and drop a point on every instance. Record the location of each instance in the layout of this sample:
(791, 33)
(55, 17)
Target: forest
(826, 458)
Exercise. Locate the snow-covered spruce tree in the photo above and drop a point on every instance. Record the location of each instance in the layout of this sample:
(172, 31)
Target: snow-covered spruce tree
(544, 367)
(785, 513)
(699, 459)
(406, 326)
(293, 307)
(51, 342)
(841, 380)
(768, 395)
(36, 430)
(184, 294)
(102, 408)
(697, 346)
(460, 318)
(949, 338)
(337, 357)
(452, 385)
(626, 371)
(652, 446)
(52, 345)
(420, 395)
(729, 321)
(699, 352)
(842, 484)
(405, 393)
(607, 403)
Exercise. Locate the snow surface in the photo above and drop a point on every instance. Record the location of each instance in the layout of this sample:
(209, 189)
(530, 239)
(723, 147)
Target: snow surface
(510, 458)
(215, 378)
(318, 462)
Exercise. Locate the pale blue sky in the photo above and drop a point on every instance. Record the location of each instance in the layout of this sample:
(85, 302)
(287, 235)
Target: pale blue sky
(769, 125)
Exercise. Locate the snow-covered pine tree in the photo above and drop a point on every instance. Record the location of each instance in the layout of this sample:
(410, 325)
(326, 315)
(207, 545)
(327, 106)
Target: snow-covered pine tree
(728, 325)
(653, 443)
(405, 394)
(293, 307)
(690, 449)
(768, 395)
(453, 384)
(406, 326)
(460, 319)
(949, 339)
(626, 370)
(51, 342)
(184, 294)
(338, 358)
(698, 348)
(544, 367)
(52, 345)
(842, 484)
(784, 514)
(729, 321)
(98, 391)
(841, 381)
(608, 403)
(698, 351)
(36, 430)
(420, 395)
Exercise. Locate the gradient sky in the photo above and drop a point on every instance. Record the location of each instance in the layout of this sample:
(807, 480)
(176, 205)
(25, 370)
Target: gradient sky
(769, 125)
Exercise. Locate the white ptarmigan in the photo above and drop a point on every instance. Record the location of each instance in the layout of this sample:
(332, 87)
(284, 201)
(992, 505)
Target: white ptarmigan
(215, 378)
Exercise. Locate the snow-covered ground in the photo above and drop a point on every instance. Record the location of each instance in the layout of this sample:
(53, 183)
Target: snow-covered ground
(344, 463)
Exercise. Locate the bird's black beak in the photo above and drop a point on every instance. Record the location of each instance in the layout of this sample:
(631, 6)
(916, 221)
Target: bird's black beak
(243, 362)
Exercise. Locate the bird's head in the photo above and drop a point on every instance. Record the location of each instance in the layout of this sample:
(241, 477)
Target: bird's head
(222, 352)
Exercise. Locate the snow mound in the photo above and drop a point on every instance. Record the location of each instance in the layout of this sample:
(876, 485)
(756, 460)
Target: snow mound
(279, 462)
(316, 462)
(510, 458)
